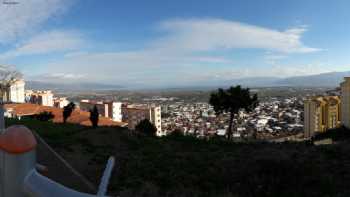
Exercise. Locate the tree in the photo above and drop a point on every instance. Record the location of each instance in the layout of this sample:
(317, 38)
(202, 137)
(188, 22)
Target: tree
(94, 116)
(45, 116)
(231, 101)
(67, 111)
(177, 133)
(146, 127)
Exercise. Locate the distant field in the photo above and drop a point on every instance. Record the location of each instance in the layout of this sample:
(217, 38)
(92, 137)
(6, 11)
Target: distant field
(184, 166)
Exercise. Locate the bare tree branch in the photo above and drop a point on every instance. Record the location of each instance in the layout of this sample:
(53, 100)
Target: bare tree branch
(8, 76)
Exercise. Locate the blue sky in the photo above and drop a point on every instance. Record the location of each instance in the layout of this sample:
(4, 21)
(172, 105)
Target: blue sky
(167, 42)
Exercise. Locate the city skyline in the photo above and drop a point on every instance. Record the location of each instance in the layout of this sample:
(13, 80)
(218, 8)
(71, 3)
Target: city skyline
(172, 42)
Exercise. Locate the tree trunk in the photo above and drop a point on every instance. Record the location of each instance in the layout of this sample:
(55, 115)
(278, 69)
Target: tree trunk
(229, 131)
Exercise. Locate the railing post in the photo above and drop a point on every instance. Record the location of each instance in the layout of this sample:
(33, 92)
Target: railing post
(18, 174)
(2, 117)
(17, 150)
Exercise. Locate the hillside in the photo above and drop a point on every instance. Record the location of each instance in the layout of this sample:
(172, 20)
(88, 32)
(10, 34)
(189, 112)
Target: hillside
(184, 166)
(329, 79)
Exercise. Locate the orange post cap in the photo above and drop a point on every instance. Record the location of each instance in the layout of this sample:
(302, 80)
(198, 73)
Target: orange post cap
(17, 139)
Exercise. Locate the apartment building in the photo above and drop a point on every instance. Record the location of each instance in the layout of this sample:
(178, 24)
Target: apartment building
(134, 114)
(44, 98)
(321, 113)
(15, 93)
(60, 102)
(345, 102)
(108, 109)
(102, 107)
(117, 114)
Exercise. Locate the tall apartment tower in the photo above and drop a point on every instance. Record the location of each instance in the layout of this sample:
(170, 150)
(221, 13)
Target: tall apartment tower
(320, 114)
(136, 113)
(313, 116)
(345, 102)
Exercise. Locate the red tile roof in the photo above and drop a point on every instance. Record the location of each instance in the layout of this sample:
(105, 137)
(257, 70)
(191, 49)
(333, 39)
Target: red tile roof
(77, 117)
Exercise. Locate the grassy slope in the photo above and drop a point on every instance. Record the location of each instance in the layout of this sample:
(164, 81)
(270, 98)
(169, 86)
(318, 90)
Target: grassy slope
(189, 167)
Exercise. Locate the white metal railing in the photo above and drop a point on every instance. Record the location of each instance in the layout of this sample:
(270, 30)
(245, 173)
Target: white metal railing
(18, 169)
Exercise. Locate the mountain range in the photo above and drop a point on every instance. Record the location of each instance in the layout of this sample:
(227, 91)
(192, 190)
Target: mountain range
(330, 79)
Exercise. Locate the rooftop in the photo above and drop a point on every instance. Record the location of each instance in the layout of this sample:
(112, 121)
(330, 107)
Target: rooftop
(77, 117)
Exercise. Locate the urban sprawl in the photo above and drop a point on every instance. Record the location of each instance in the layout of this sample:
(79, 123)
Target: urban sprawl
(273, 119)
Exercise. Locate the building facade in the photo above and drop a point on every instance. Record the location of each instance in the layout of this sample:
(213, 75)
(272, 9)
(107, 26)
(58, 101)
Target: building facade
(321, 113)
(108, 109)
(117, 114)
(60, 102)
(345, 102)
(102, 107)
(134, 114)
(44, 98)
(15, 93)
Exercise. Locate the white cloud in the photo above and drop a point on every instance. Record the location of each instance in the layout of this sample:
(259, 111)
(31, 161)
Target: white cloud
(47, 42)
(176, 57)
(56, 77)
(215, 34)
(17, 20)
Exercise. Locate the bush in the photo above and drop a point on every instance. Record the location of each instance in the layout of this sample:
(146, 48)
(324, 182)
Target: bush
(44, 116)
(94, 117)
(336, 134)
(176, 133)
(146, 127)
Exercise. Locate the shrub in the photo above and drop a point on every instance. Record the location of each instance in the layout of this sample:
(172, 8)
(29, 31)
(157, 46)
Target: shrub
(146, 127)
(44, 116)
(176, 133)
(94, 116)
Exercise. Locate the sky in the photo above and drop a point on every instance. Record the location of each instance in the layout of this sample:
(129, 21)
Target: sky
(168, 43)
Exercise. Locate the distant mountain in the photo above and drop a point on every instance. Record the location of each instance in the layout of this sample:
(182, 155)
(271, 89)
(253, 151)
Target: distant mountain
(38, 85)
(331, 79)
(254, 81)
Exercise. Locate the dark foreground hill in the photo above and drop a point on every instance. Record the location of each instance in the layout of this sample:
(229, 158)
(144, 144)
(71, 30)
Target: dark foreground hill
(184, 166)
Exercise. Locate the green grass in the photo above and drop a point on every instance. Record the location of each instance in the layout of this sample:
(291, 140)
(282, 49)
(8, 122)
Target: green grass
(55, 134)
(185, 166)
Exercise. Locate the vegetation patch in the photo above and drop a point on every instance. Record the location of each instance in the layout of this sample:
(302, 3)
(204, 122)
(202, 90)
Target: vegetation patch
(186, 166)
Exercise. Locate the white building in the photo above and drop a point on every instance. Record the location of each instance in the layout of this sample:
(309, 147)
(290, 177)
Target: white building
(117, 111)
(102, 107)
(60, 102)
(14, 93)
(108, 109)
(44, 98)
(137, 113)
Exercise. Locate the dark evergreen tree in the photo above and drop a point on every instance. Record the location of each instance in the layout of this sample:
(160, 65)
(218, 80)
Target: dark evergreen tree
(231, 101)
(146, 127)
(67, 111)
(94, 117)
(45, 116)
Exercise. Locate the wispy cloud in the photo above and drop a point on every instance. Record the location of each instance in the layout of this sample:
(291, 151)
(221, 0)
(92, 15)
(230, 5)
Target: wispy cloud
(216, 34)
(178, 56)
(20, 19)
(47, 42)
